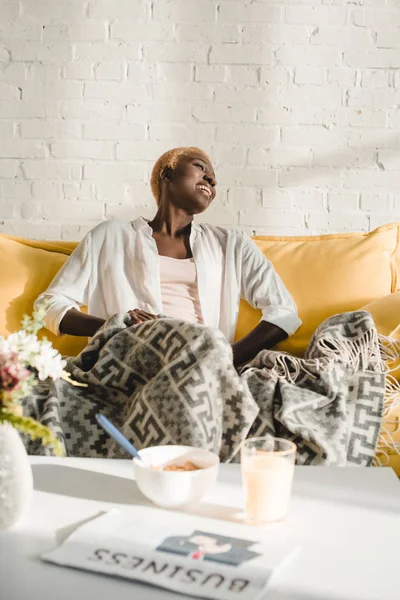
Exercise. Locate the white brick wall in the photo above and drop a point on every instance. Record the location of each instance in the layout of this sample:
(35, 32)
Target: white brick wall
(297, 101)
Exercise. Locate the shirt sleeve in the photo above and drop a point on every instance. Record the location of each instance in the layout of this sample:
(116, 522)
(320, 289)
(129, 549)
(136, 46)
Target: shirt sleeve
(69, 287)
(262, 288)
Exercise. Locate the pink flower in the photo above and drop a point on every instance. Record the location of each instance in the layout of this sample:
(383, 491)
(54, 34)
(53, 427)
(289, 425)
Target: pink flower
(12, 372)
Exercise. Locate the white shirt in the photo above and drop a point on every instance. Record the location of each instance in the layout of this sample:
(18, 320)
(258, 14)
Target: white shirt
(116, 268)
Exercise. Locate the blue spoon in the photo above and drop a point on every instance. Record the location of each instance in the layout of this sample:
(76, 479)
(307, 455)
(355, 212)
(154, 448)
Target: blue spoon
(118, 437)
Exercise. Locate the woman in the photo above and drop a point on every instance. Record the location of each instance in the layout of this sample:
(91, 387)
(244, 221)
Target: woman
(170, 265)
(169, 381)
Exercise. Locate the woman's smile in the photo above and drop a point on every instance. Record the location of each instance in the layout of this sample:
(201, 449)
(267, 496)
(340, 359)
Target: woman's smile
(203, 187)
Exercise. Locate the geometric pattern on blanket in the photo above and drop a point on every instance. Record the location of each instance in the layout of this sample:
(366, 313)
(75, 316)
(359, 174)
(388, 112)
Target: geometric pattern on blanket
(171, 382)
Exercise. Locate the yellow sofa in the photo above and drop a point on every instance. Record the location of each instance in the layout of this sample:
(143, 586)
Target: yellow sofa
(326, 275)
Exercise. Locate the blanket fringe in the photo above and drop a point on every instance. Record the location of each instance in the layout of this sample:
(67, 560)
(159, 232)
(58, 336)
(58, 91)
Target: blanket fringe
(363, 354)
(387, 445)
(390, 352)
(290, 367)
(392, 394)
(368, 353)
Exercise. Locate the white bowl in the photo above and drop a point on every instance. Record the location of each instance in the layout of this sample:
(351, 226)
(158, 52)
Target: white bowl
(171, 489)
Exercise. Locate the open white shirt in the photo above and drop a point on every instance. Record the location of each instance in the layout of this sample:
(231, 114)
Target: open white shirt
(116, 268)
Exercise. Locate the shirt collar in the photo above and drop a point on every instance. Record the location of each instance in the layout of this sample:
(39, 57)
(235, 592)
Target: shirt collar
(139, 223)
(142, 223)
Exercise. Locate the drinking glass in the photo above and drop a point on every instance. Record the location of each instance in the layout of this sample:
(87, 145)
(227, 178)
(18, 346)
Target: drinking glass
(267, 465)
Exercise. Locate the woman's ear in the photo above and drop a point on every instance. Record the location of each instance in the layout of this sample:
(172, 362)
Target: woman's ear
(166, 174)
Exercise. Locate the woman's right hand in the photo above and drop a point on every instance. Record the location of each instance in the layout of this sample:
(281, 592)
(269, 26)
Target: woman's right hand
(141, 316)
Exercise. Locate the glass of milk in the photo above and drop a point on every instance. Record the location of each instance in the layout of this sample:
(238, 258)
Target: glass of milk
(267, 465)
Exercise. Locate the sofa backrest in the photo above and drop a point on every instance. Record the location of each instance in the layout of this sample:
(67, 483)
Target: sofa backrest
(325, 274)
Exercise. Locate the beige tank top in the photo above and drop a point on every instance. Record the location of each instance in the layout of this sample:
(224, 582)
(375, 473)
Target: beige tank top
(179, 289)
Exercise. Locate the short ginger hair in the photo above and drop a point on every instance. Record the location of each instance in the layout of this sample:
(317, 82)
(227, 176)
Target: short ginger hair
(170, 160)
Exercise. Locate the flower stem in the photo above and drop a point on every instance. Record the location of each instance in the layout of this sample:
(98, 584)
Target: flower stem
(34, 429)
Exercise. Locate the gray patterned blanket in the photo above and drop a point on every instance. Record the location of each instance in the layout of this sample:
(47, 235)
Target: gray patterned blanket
(171, 382)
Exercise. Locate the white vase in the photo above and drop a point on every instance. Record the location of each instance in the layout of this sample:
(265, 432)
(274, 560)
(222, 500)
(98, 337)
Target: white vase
(16, 481)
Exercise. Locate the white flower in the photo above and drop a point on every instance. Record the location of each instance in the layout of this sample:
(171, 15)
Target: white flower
(3, 345)
(25, 345)
(48, 362)
(38, 355)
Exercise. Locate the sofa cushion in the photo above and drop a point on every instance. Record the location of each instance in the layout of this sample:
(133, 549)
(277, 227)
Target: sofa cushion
(27, 268)
(327, 275)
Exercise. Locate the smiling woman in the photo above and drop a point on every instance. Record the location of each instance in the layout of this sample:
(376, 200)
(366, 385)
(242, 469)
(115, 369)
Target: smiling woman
(172, 267)
(176, 160)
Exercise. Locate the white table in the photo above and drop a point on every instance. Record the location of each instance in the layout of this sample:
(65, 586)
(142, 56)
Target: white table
(347, 521)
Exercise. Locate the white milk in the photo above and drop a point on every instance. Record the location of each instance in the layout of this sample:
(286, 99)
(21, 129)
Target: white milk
(267, 483)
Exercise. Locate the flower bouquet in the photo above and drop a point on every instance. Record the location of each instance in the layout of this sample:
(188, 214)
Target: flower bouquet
(25, 361)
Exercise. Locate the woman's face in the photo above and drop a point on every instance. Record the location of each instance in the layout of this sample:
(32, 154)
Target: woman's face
(209, 545)
(191, 184)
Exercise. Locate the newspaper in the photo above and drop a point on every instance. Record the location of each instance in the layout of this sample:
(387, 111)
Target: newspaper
(190, 555)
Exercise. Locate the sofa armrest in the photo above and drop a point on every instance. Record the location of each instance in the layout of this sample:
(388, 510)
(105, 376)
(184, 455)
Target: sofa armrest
(386, 315)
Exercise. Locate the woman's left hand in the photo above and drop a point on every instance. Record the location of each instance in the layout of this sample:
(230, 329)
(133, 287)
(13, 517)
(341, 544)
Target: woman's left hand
(140, 316)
